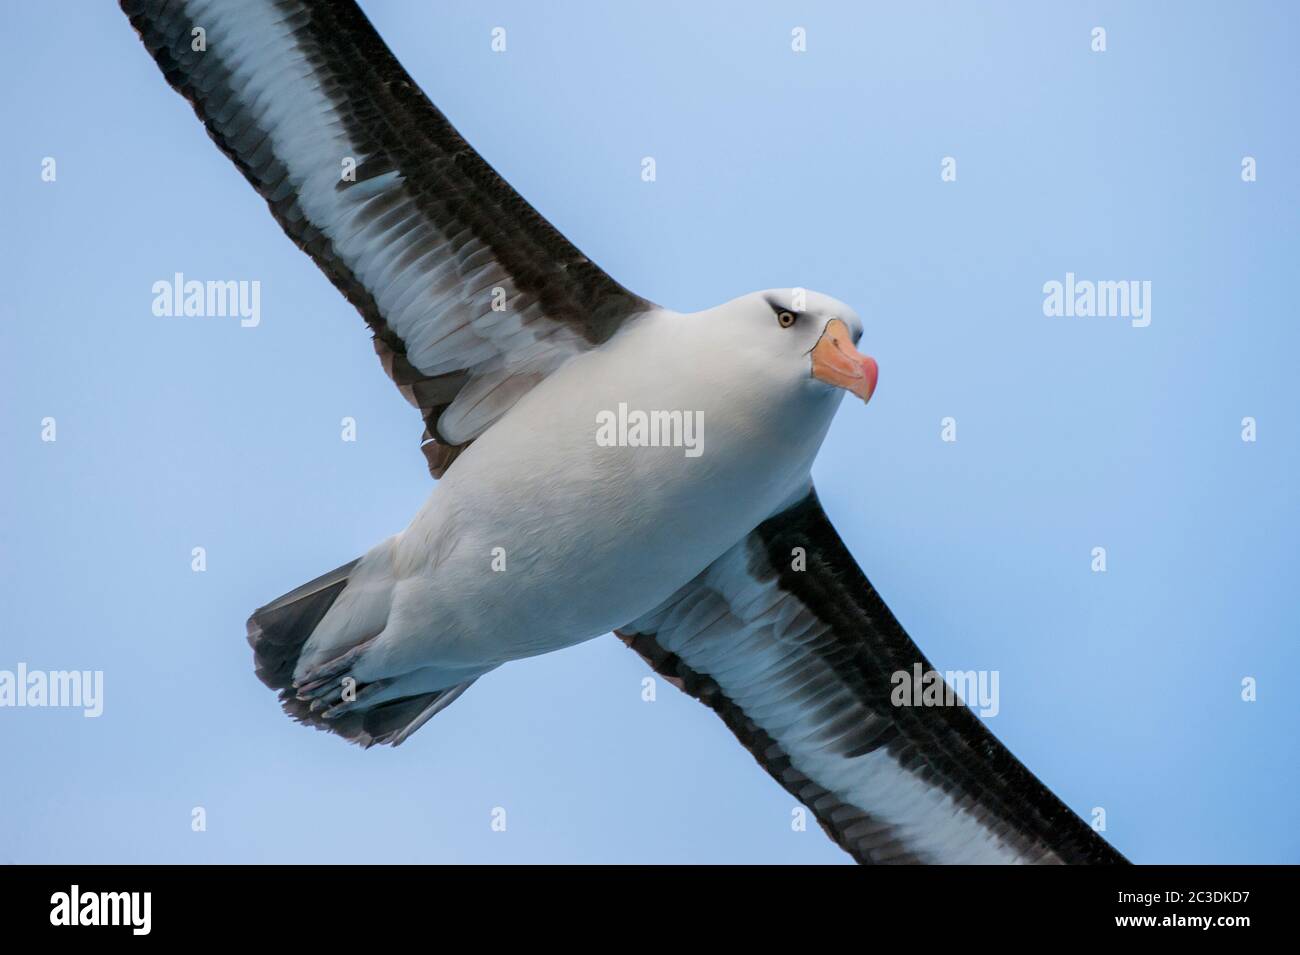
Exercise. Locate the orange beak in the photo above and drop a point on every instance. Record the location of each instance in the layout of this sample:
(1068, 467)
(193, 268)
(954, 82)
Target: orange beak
(836, 362)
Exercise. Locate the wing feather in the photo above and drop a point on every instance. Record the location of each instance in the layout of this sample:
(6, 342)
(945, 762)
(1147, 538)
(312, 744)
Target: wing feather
(405, 218)
(801, 665)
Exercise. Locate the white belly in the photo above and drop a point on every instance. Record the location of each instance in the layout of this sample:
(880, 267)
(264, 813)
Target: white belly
(539, 537)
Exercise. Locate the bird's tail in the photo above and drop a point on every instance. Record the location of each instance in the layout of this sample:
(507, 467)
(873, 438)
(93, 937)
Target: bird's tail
(323, 694)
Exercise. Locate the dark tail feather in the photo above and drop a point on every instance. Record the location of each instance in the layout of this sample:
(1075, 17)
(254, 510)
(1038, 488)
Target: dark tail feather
(278, 632)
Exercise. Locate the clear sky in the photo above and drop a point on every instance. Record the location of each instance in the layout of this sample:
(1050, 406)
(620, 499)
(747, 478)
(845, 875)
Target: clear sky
(1121, 690)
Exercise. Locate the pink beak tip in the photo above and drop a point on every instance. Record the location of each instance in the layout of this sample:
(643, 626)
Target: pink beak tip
(871, 371)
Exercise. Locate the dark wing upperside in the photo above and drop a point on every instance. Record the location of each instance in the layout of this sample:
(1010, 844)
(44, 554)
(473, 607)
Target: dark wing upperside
(423, 235)
(800, 666)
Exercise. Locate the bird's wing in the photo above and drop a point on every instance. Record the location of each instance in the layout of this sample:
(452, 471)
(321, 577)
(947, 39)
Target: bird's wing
(788, 641)
(472, 296)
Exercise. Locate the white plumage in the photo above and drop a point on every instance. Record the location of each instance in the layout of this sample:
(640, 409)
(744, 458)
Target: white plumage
(703, 547)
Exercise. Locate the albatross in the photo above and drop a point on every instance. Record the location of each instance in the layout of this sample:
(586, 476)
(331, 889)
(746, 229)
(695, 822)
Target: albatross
(715, 563)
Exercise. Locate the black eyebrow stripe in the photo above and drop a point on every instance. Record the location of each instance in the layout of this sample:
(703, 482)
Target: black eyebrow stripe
(778, 308)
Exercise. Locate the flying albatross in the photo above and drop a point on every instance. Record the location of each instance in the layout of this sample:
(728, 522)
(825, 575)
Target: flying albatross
(711, 558)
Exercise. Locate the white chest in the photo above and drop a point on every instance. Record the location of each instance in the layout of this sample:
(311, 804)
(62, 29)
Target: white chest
(603, 491)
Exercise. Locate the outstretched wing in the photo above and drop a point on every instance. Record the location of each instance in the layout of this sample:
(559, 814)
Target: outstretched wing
(406, 219)
(801, 661)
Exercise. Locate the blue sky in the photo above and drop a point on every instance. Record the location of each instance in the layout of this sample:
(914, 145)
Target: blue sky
(822, 169)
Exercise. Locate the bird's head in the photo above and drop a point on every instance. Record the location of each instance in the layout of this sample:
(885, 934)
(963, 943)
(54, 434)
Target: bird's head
(809, 336)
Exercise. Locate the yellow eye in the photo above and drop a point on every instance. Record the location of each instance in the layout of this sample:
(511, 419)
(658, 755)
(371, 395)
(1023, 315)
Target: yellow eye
(785, 319)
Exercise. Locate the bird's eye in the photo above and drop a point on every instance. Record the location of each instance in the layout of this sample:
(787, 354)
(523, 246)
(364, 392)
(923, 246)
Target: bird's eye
(785, 318)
